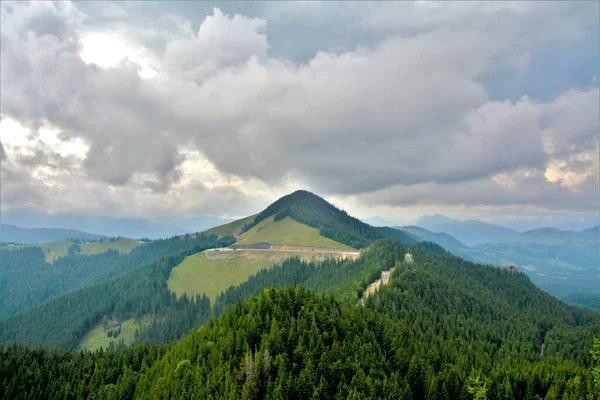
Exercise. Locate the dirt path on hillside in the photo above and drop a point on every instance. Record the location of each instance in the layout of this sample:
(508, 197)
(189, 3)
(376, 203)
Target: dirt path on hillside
(222, 252)
(373, 287)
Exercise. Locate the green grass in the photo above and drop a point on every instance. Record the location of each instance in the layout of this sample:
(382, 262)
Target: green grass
(123, 245)
(287, 232)
(231, 228)
(97, 337)
(211, 275)
(198, 274)
(54, 250)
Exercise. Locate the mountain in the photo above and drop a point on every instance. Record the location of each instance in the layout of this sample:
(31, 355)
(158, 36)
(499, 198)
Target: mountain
(562, 262)
(300, 225)
(59, 267)
(593, 230)
(28, 278)
(552, 236)
(286, 231)
(441, 328)
(397, 234)
(233, 228)
(469, 232)
(129, 227)
(448, 242)
(378, 221)
(309, 209)
(303, 208)
(15, 234)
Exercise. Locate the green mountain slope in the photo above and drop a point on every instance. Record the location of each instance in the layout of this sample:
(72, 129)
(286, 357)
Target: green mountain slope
(469, 232)
(448, 242)
(64, 320)
(54, 250)
(310, 209)
(233, 228)
(440, 326)
(16, 234)
(397, 234)
(561, 262)
(287, 232)
(28, 280)
(552, 236)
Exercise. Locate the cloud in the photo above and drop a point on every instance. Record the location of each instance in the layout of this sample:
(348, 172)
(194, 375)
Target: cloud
(527, 188)
(222, 41)
(395, 117)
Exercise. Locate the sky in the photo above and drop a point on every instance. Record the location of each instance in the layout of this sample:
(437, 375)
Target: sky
(395, 109)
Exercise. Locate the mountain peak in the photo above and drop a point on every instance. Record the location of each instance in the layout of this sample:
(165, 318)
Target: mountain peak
(313, 211)
(309, 209)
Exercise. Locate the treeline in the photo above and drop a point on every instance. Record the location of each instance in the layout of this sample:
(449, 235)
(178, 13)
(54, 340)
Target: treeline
(42, 373)
(444, 328)
(346, 279)
(63, 320)
(26, 280)
(588, 300)
(310, 209)
(295, 344)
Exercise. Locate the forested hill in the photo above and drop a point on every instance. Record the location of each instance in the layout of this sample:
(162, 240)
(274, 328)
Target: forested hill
(444, 328)
(28, 280)
(15, 234)
(310, 209)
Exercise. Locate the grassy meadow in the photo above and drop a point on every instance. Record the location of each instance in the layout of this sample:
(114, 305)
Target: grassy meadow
(231, 228)
(214, 271)
(97, 337)
(288, 232)
(58, 249)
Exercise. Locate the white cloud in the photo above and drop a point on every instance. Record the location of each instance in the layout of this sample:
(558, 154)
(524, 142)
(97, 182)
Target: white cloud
(406, 120)
(109, 50)
(221, 41)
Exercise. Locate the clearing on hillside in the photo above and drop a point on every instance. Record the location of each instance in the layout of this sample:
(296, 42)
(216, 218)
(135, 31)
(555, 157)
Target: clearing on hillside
(54, 250)
(212, 272)
(122, 245)
(11, 247)
(287, 231)
(99, 335)
(233, 228)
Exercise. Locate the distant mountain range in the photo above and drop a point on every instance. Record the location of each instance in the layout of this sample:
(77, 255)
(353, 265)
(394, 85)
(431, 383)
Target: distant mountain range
(129, 227)
(374, 322)
(15, 234)
(469, 232)
(561, 262)
(378, 221)
(445, 240)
